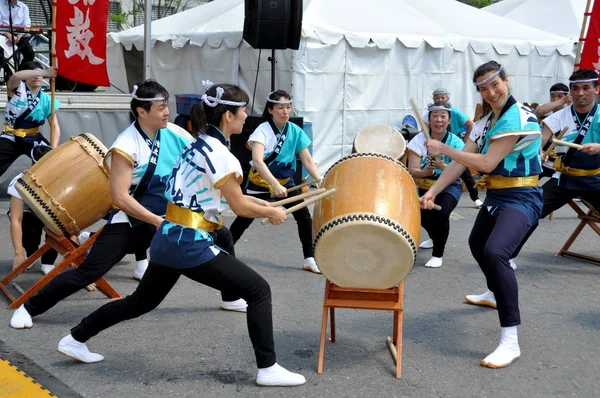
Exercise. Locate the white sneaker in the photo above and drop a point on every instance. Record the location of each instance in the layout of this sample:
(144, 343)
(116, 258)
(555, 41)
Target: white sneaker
(76, 350)
(434, 262)
(512, 263)
(47, 268)
(428, 244)
(478, 203)
(82, 237)
(311, 265)
(238, 305)
(140, 269)
(507, 351)
(277, 376)
(21, 319)
(486, 299)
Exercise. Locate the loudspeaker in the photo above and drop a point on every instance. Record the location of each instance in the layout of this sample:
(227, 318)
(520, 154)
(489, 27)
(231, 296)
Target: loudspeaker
(273, 24)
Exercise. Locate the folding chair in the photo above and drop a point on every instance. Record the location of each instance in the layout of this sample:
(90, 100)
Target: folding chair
(591, 218)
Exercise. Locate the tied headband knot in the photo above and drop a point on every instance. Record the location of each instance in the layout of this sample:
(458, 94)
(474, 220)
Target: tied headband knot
(207, 84)
(490, 77)
(134, 96)
(214, 101)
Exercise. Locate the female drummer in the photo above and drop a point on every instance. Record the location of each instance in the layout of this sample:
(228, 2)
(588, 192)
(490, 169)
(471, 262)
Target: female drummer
(203, 183)
(506, 149)
(275, 144)
(426, 170)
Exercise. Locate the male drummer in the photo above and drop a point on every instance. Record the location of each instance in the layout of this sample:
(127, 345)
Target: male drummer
(140, 162)
(26, 111)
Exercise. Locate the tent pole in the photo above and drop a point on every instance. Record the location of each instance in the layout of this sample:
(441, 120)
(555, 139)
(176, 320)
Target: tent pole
(147, 38)
(581, 38)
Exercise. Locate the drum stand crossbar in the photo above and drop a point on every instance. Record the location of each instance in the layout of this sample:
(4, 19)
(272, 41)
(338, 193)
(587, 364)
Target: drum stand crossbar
(73, 254)
(591, 218)
(366, 299)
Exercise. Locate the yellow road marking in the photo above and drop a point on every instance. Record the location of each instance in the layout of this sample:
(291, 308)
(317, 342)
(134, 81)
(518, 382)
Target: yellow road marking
(14, 383)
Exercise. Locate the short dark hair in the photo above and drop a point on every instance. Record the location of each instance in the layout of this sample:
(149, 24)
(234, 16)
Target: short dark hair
(30, 65)
(486, 68)
(38, 151)
(559, 87)
(148, 89)
(275, 96)
(202, 115)
(584, 74)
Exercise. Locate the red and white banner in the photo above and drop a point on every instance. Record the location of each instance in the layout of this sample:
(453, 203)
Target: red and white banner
(81, 40)
(590, 56)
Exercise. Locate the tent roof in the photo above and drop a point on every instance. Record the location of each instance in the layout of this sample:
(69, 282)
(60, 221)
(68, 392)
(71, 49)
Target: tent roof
(380, 22)
(560, 17)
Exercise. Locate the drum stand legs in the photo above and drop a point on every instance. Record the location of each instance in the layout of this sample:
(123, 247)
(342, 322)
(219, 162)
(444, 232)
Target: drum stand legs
(367, 299)
(73, 255)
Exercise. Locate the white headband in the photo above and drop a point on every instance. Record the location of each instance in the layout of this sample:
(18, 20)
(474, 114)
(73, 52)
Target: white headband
(214, 101)
(585, 80)
(276, 101)
(490, 77)
(559, 92)
(145, 99)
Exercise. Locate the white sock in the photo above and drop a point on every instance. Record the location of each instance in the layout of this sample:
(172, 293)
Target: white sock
(434, 262)
(47, 268)
(507, 351)
(311, 265)
(74, 349)
(140, 269)
(277, 376)
(21, 319)
(512, 264)
(238, 305)
(488, 299)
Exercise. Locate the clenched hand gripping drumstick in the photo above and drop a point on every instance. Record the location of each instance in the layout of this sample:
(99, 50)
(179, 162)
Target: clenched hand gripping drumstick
(297, 198)
(435, 207)
(311, 182)
(424, 126)
(551, 147)
(304, 203)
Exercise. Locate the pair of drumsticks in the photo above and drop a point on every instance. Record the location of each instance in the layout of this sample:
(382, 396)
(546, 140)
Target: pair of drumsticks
(314, 196)
(557, 141)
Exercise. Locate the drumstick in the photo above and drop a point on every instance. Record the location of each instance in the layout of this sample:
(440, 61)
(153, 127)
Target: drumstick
(551, 147)
(424, 126)
(435, 207)
(304, 204)
(297, 198)
(297, 187)
(556, 141)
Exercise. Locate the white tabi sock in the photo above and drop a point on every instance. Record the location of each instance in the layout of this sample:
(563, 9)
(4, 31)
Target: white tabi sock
(277, 376)
(512, 264)
(486, 299)
(74, 349)
(311, 265)
(507, 351)
(21, 319)
(434, 262)
(140, 269)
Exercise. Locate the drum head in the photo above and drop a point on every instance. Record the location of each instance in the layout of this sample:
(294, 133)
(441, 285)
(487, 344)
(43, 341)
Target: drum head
(381, 139)
(364, 253)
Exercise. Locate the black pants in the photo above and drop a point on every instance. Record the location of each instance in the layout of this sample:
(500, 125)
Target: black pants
(113, 243)
(437, 223)
(556, 197)
(302, 217)
(470, 184)
(10, 151)
(23, 46)
(32, 237)
(224, 273)
(494, 238)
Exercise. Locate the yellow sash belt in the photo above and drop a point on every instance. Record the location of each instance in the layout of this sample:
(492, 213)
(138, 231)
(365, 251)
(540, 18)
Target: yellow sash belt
(189, 218)
(424, 183)
(494, 181)
(570, 171)
(258, 180)
(21, 133)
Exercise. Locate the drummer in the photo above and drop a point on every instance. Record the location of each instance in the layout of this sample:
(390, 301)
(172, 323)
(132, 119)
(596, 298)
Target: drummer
(27, 109)
(507, 149)
(426, 170)
(275, 144)
(140, 161)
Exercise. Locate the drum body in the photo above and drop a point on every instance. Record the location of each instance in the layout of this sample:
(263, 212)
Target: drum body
(367, 232)
(381, 139)
(68, 189)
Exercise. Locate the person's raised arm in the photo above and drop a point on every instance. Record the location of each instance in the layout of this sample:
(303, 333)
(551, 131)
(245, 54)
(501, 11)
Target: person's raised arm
(15, 80)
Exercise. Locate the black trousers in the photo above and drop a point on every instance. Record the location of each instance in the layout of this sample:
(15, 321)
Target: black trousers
(302, 217)
(437, 223)
(556, 197)
(23, 46)
(467, 177)
(113, 243)
(494, 238)
(32, 237)
(10, 151)
(224, 273)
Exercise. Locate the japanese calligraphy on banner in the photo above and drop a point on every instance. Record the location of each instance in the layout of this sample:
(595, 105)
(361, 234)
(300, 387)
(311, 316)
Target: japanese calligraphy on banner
(81, 40)
(590, 56)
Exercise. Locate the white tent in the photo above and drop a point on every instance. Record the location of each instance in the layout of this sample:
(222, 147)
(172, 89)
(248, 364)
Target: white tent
(560, 17)
(359, 62)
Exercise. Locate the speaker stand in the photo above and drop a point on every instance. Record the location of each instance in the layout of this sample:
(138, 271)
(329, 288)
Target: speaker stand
(272, 60)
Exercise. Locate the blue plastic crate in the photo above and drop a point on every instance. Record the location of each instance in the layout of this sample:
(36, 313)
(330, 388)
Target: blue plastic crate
(185, 102)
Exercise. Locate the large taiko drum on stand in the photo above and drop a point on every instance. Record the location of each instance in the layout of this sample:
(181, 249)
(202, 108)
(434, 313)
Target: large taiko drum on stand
(367, 232)
(382, 139)
(68, 189)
